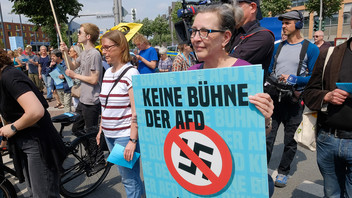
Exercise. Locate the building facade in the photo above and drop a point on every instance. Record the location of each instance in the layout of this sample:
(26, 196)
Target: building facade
(336, 27)
(29, 35)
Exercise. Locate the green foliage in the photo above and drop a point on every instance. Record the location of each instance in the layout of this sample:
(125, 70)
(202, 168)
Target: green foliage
(274, 7)
(330, 7)
(157, 30)
(146, 29)
(174, 17)
(40, 14)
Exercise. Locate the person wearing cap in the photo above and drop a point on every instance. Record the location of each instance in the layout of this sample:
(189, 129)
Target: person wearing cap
(288, 110)
(334, 123)
(32, 65)
(319, 40)
(165, 62)
(250, 41)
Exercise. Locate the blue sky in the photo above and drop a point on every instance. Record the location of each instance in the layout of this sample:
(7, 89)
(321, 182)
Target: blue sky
(145, 8)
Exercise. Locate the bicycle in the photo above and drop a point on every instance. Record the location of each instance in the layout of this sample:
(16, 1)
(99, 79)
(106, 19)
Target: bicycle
(7, 190)
(82, 174)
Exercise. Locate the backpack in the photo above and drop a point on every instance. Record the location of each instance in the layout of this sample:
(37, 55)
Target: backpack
(283, 91)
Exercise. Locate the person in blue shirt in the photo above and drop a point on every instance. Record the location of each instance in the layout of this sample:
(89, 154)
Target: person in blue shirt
(147, 57)
(288, 69)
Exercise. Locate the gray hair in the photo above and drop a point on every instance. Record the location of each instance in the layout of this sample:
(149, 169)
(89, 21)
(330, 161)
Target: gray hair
(229, 15)
(43, 46)
(162, 50)
(78, 49)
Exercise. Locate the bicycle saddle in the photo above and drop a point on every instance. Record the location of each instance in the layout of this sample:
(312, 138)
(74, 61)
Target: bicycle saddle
(70, 117)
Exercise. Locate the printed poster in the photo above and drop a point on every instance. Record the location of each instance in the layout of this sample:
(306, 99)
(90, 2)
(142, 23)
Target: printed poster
(199, 136)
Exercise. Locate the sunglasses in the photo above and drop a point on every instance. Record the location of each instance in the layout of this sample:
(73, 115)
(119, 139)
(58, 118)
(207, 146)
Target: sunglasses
(315, 36)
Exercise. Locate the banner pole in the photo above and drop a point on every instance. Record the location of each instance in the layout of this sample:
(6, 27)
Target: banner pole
(59, 32)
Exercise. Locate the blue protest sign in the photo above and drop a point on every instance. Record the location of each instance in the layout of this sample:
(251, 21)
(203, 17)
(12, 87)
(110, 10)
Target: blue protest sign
(199, 136)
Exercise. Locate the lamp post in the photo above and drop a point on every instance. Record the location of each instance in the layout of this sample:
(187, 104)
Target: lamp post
(3, 29)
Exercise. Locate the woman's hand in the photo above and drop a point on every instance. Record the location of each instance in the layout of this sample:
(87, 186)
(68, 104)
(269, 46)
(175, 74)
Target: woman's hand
(264, 104)
(6, 131)
(129, 151)
(98, 138)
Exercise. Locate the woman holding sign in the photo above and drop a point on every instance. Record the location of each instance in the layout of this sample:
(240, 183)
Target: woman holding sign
(210, 36)
(211, 33)
(38, 150)
(119, 119)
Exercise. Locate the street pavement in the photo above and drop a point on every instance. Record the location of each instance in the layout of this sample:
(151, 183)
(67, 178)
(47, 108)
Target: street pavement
(305, 180)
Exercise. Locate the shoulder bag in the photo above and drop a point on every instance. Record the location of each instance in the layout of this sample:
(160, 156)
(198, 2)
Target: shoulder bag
(305, 134)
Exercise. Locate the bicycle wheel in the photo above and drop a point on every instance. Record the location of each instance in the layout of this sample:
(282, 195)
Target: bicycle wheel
(7, 190)
(82, 174)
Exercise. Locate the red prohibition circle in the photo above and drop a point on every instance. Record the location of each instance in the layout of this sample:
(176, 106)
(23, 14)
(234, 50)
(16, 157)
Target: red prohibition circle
(218, 182)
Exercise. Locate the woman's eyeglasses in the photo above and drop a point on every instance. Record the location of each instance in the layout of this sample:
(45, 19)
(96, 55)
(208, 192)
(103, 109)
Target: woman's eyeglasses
(203, 33)
(107, 47)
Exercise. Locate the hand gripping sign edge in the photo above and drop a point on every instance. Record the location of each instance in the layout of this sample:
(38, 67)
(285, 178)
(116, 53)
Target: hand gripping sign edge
(218, 182)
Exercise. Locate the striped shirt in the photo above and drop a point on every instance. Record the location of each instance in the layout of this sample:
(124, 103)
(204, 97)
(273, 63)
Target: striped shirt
(116, 116)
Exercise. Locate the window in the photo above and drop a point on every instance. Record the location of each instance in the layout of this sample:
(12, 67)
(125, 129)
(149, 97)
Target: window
(17, 34)
(31, 28)
(25, 34)
(9, 33)
(346, 18)
(43, 35)
(16, 27)
(9, 26)
(24, 27)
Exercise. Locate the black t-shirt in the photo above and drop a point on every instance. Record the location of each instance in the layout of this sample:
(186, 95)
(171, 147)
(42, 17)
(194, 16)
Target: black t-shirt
(14, 83)
(339, 116)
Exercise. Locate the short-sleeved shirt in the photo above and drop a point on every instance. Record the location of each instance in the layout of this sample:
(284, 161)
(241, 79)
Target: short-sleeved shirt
(45, 63)
(117, 115)
(149, 54)
(90, 60)
(165, 64)
(32, 69)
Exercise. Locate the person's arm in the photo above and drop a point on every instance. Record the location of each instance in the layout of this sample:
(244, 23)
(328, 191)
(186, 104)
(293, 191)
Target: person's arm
(40, 71)
(131, 147)
(19, 62)
(313, 54)
(70, 64)
(150, 64)
(92, 79)
(97, 138)
(33, 112)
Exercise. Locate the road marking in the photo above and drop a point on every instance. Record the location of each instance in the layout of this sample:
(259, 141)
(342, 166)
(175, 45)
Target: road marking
(311, 188)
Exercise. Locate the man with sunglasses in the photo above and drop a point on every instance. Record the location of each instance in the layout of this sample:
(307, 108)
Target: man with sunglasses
(90, 63)
(252, 42)
(319, 40)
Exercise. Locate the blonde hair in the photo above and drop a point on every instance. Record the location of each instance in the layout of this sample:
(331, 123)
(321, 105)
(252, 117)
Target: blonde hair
(120, 40)
(92, 30)
(139, 38)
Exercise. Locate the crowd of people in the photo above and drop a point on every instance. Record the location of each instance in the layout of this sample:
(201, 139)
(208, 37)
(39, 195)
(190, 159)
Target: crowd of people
(226, 35)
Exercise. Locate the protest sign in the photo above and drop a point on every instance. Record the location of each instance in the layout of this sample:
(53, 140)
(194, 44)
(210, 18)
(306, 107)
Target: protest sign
(199, 136)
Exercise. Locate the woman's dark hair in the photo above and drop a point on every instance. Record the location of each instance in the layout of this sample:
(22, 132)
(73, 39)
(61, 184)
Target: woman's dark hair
(4, 59)
(57, 53)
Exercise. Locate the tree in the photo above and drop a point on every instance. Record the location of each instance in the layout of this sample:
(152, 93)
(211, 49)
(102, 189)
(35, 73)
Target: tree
(330, 7)
(146, 29)
(40, 14)
(274, 7)
(174, 16)
(160, 27)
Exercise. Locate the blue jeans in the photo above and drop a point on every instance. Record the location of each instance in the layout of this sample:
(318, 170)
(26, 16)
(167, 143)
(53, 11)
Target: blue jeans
(334, 158)
(49, 85)
(131, 178)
